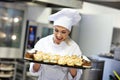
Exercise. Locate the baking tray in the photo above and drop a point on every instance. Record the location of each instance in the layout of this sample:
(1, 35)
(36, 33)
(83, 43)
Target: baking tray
(49, 63)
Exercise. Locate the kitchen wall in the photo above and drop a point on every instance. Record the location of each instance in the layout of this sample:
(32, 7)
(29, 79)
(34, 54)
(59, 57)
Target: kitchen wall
(96, 30)
(95, 34)
(38, 13)
(90, 8)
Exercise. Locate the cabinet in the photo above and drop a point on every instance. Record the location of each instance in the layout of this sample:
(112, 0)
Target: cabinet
(7, 69)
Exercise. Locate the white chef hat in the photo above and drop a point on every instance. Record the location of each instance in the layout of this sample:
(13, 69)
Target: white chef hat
(66, 17)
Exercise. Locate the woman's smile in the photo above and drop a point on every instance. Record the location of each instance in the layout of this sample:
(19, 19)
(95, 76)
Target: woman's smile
(60, 34)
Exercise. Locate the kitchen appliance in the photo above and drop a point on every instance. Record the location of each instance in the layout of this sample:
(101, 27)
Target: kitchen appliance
(95, 73)
(117, 53)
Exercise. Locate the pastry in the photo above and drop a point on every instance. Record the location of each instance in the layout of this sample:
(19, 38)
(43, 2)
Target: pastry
(70, 62)
(38, 57)
(78, 62)
(62, 60)
(54, 58)
(46, 58)
(28, 55)
(74, 56)
(86, 63)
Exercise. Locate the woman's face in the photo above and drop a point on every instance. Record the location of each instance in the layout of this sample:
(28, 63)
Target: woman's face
(60, 34)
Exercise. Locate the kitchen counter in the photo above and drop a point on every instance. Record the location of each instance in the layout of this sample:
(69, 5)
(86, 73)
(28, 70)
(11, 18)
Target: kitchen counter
(110, 65)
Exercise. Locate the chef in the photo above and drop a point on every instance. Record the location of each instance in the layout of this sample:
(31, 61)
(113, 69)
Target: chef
(59, 43)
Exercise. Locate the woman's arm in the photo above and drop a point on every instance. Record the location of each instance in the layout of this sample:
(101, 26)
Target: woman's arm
(36, 67)
(73, 72)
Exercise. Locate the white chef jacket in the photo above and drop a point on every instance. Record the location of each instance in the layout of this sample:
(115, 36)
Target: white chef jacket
(54, 72)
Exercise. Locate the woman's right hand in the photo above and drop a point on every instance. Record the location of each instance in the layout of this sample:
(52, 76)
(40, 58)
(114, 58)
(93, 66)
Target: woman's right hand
(36, 67)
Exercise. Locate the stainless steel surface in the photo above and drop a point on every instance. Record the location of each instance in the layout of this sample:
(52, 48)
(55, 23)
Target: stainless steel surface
(64, 3)
(117, 53)
(92, 74)
(96, 73)
(71, 3)
(104, 0)
(109, 3)
(12, 52)
(20, 6)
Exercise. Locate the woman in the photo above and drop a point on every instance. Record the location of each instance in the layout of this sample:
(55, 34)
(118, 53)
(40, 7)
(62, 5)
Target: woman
(59, 43)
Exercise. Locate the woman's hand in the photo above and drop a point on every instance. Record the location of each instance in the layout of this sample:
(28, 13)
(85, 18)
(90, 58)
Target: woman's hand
(73, 72)
(36, 67)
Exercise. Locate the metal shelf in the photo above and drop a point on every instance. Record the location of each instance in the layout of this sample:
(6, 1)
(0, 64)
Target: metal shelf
(8, 68)
(6, 75)
(17, 67)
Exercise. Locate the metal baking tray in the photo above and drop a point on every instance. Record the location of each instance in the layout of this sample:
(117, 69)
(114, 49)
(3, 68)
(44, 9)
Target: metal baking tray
(49, 63)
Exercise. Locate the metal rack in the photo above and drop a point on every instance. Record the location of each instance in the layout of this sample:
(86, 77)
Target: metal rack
(7, 69)
(18, 69)
(23, 71)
